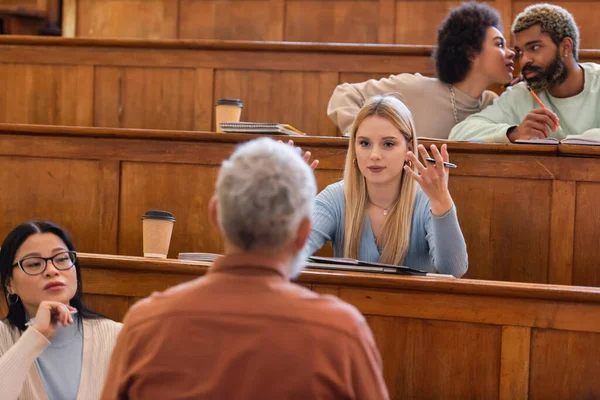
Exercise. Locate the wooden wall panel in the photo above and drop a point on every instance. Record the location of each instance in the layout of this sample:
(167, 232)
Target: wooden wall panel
(232, 19)
(560, 363)
(353, 21)
(490, 236)
(46, 94)
(155, 98)
(416, 20)
(586, 251)
(296, 98)
(345, 21)
(507, 196)
(147, 19)
(184, 191)
(438, 360)
(112, 307)
(514, 369)
(71, 193)
(516, 355)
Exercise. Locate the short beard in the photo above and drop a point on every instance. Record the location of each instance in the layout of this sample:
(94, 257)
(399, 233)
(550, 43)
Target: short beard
(553, 75)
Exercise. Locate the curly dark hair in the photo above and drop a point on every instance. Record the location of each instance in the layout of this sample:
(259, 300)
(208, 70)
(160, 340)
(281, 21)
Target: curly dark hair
(461, 36)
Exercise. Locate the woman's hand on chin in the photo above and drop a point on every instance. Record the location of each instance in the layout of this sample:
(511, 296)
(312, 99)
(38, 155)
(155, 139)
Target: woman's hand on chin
(433, 178)
(50, 316)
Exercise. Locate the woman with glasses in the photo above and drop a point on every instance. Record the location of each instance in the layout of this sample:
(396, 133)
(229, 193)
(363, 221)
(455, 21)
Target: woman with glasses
(51, 345)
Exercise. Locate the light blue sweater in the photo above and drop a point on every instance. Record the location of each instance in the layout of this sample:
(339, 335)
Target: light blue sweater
(60, 364)
(436, 243)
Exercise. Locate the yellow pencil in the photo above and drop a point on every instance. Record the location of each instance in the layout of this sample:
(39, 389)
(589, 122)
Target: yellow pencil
(539, 102)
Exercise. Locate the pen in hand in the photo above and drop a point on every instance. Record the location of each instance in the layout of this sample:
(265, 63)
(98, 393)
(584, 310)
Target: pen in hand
(446, 164)
(537, 99)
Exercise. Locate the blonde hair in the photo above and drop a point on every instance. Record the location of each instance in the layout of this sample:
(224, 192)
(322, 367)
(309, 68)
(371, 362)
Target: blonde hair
(396, 229)
(552, 19)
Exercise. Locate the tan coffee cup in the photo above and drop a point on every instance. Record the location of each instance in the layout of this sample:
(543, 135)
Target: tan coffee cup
(227, 110)
(157, 229)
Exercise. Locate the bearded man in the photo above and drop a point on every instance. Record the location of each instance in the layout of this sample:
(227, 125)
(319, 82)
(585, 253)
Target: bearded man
(546, 43)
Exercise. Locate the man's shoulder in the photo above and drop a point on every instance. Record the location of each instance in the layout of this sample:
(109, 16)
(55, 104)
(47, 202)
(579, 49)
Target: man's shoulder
(591, 67)
(158, 304)
(334, 314)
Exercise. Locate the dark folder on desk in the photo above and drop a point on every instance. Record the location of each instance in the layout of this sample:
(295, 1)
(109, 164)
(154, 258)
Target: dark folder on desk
(349, 264)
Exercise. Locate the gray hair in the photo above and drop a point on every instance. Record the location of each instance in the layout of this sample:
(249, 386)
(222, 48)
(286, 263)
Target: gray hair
(553, 20)
(264, 190)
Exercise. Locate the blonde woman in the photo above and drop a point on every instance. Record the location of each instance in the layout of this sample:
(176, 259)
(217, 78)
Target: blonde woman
(377, 213)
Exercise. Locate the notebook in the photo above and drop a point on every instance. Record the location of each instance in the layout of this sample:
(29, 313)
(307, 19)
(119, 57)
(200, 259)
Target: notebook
(349, 264)
(590, 137)
(208, 257)
(260, 127)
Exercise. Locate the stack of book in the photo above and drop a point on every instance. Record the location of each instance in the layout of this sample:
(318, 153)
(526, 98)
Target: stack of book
(260, 127)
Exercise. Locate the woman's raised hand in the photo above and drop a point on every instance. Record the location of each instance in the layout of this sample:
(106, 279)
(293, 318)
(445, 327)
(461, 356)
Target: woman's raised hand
(306, 156)
(433, 178)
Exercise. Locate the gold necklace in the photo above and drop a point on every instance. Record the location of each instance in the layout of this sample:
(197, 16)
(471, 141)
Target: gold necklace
(385, 211)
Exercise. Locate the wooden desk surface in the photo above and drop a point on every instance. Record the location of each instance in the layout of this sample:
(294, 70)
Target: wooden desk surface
(439, 337)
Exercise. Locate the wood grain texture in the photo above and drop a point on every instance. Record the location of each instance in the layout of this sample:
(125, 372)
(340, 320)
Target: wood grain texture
(296, 98)
(332, 21)
(586, 251)
(514, 367)
(145, 97)
(47, 94)
(435, 359)
(472, 351)
(513, 214)
(184, 190)
(358, 21)
(144, 19)
(72, 193)
(561, 363)
(562, 232)
(492, 238)
(232, 19)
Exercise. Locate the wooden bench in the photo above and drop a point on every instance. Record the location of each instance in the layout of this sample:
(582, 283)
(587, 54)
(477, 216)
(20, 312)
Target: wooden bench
(439, 338)
(528, 213)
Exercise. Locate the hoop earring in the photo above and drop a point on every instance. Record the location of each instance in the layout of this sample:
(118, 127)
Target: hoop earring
(12, 303)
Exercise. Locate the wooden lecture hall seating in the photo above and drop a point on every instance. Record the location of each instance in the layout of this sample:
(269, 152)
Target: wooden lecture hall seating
(174, 84)
(439, 338)
(117, 117)
(528, 213)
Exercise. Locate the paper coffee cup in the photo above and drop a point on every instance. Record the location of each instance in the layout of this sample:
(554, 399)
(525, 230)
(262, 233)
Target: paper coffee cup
(157, 228)
(227, 110)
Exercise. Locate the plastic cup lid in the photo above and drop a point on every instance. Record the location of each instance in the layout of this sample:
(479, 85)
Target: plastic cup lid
(157, 214)
(230, 102)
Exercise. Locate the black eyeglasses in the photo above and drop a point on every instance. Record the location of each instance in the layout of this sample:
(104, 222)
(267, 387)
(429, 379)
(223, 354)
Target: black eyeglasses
(37, 265)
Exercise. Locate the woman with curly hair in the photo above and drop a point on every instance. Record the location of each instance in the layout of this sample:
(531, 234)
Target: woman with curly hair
(470, 57)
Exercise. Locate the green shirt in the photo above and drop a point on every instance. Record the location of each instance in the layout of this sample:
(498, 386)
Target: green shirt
(576, 114)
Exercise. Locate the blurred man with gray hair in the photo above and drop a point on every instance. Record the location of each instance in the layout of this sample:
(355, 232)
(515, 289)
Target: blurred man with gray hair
(547, 44)
(244, 331)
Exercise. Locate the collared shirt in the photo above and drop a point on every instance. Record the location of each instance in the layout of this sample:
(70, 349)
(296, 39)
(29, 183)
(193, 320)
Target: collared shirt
(243, 331)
